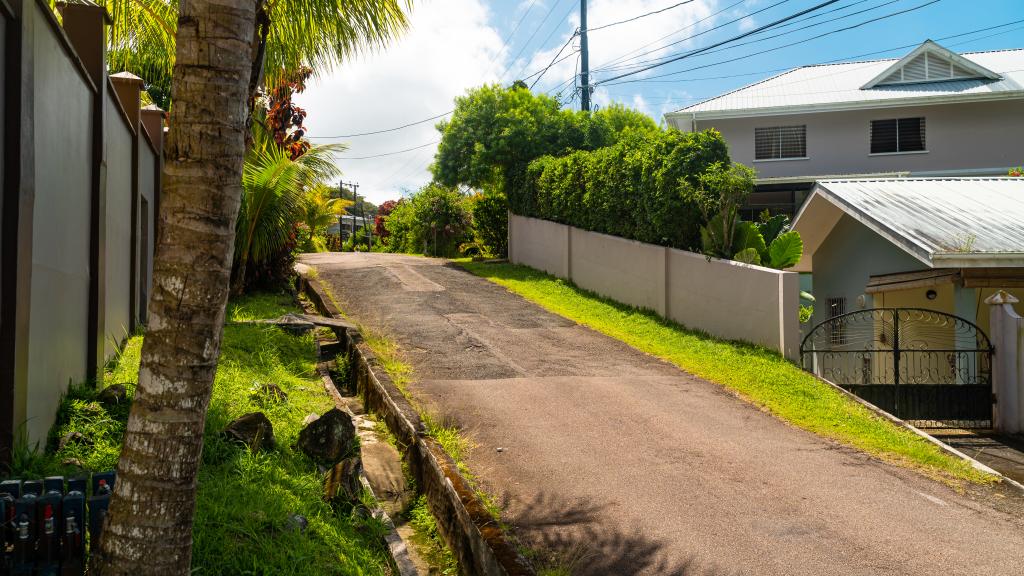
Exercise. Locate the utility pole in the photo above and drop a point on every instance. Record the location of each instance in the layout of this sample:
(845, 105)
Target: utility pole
(355, 198)
(584, 60)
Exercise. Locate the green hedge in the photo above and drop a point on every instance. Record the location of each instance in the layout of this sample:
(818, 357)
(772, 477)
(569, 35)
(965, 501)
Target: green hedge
(634, 188)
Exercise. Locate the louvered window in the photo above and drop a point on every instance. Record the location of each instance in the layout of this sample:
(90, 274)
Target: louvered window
(927, 67)
(897, 135)
(778, 142)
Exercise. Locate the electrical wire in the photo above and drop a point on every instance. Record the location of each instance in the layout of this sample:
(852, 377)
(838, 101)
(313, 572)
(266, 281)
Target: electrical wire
(395, 129)
(652, 13)
(805, 40)
(530, 39)
(565, 18)
(553, 60)
(386, 153)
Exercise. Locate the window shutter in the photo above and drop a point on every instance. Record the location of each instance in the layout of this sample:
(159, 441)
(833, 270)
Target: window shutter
(883, 136)
(778, 142)
(911, 134)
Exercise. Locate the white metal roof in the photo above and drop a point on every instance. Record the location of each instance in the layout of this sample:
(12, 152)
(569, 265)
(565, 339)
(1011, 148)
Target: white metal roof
(944, 222)
(839, 86)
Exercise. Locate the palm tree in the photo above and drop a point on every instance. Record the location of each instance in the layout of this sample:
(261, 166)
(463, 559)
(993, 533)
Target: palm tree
(273, 200)
(148, 530)
(317, 211)
(289, 34)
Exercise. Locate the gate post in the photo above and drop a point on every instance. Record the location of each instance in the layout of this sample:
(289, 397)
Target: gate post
(1007, 378)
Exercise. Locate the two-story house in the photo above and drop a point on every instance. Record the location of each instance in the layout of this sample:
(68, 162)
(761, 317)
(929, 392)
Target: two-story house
(932, 113)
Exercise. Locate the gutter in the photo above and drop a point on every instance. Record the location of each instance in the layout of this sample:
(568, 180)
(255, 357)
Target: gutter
(846, 106)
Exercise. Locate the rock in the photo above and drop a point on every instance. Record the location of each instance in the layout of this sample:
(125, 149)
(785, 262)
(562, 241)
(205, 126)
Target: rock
(270, 393)
(72, 462)
(342, 483)
(367, 424)
(113, 395)
(329, 438)
(310, 418)
(73, 438)
(253, 429)
(296, 523)
(499, 449)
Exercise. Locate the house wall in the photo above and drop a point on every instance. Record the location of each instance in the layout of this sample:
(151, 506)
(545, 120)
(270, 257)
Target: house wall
(958, 137)
(60, 238)
(847, 258)
(117, 148)
(726, 299)
(147, 221)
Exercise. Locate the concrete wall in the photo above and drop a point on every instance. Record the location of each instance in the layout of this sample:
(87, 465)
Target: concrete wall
(727, 299)
(957, 137)
(147, 221)
(846, 259)
(61, 224)
(118, 152)
(1007, 363)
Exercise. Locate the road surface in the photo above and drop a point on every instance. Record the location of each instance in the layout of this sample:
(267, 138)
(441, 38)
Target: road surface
(619, 463)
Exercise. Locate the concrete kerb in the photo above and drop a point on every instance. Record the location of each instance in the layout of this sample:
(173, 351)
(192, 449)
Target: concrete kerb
(474, 537)
(940, 444)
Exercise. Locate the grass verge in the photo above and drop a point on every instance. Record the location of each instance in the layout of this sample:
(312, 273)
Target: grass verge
(245, 499)
(762, 377)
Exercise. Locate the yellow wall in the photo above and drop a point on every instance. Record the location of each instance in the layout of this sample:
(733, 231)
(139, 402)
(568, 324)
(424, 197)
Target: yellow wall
(983, 309)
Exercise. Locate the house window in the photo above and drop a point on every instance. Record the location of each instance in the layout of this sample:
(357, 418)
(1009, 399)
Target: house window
(897, 135)
(837, 307)
(779, 142)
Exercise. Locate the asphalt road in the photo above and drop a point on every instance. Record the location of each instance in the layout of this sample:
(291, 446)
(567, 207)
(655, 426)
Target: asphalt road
(623, 464)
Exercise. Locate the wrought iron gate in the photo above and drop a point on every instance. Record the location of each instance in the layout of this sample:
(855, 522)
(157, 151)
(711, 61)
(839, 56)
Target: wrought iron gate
(914, 363)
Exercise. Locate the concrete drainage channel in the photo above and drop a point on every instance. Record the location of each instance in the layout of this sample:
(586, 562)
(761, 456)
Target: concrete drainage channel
(479, 544)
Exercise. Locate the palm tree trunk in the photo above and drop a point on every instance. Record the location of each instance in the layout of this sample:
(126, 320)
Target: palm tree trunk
(149, 526)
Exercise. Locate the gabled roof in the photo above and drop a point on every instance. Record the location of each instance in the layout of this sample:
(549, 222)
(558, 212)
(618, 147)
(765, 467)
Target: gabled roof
(930, 62)
(845, 86)
(943, 222)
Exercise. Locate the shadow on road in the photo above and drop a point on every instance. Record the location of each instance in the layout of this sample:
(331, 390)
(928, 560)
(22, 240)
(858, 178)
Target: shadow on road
(569, 536)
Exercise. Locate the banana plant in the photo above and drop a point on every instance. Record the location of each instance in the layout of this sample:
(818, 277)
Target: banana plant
(768, 242)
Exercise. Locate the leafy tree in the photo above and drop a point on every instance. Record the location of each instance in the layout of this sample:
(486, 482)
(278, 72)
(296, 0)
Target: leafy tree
(721, 192)
(490, 222)
(219, 54)
(383, 211)
(496, 132)
(435, 221)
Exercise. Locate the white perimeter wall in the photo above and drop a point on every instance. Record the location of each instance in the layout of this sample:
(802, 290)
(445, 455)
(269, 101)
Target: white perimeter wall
(727, 299)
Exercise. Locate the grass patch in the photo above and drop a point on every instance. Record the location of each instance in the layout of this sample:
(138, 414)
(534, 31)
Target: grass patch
(245, 499)
(762, 377)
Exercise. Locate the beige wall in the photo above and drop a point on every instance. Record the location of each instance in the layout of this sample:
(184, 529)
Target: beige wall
(60, 232)
(957, 136)
(727, 299)
(117, 152)
(628, 271)
(544, 244)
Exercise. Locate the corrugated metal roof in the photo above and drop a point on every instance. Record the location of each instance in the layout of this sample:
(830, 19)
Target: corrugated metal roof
(943, 221)
(835, 84)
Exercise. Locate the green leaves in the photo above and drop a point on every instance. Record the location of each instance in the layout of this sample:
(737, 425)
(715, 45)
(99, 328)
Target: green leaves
(786, 250)
(748, 256)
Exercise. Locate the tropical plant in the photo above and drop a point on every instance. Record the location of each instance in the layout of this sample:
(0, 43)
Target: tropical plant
(317, 211)
(490, 223)
(383, 211)
(215, 75)
(274, 191)
(290, 35)
(435, 221)
(1017, 172)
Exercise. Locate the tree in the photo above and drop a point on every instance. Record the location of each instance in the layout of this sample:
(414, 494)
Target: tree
(217, 47)
(496, 132)
(317, 211)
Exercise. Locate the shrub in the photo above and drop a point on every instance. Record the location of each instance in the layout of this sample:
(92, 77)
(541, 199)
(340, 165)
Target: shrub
(641, 187)
(435, 221)
(382, 214)
(490, 222)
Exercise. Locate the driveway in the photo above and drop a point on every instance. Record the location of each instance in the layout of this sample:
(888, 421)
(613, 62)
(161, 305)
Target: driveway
(624, 464)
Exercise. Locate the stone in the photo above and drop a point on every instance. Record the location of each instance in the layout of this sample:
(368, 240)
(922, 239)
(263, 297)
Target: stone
(310, 418)
(253, 429)
(329, 438)
(74, 437)
(72, 462)
(113, 395)
(342, 484)
(270, 393)
(296, 523)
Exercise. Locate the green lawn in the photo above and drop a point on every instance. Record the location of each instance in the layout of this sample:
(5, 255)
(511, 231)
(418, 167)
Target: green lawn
(756, 374)
(244, 499)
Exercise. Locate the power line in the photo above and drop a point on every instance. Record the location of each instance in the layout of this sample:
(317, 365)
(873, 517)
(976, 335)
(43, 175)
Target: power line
(553, 60)
(562, 20)
(386, 153)
(504, 44)
(652, 13)
(705, 49)
(528, 40)
(402, 127)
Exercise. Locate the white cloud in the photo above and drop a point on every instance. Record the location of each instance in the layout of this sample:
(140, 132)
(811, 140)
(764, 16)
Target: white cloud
(452, 46)
(449, 48)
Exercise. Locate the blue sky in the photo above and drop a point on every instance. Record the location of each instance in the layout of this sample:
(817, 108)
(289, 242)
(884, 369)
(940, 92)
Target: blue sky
(454, 45)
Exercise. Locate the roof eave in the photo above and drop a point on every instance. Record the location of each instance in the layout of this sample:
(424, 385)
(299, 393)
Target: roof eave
(844, 106)
(978, 260)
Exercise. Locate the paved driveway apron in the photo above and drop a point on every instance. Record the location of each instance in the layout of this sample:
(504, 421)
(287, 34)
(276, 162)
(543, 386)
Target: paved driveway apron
(628, 465)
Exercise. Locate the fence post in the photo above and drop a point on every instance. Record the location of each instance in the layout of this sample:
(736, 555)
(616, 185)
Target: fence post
(1005, 327)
